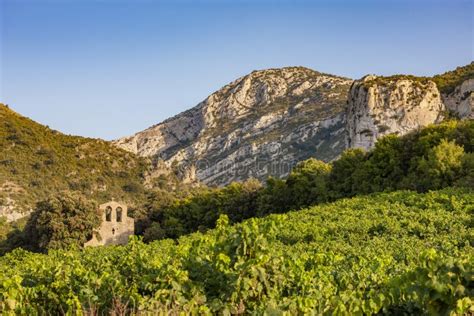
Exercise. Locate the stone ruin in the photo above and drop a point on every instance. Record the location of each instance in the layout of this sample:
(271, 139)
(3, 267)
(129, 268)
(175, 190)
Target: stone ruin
(115, 228)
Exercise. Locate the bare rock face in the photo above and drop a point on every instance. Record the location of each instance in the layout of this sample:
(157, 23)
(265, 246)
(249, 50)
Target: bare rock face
(461, 100)
(8, 206)
(257, 126)
(378, 106)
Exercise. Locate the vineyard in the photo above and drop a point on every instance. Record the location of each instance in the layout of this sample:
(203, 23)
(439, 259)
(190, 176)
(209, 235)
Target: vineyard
(385, 253)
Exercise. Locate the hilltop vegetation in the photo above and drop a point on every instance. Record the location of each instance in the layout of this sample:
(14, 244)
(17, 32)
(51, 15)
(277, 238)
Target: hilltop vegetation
(37, 162)
(448, 81)
(397, 253)
(445, 82)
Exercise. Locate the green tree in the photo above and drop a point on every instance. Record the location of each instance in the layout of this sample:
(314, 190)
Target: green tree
(440, 168)
(62, 221)
(200, 210)
(467, 171)
(308, 183)
(342, 178)
(273, 198)
(383, 169)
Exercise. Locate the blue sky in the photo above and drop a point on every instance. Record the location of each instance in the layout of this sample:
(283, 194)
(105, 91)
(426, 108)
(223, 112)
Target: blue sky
(109, 68)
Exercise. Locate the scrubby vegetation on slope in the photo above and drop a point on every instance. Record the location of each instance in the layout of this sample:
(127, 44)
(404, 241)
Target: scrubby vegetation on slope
(395, 253)
(36, 162)
(432, 158)
(448, 81)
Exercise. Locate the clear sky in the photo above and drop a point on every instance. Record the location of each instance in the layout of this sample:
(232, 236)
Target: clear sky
(109, 68)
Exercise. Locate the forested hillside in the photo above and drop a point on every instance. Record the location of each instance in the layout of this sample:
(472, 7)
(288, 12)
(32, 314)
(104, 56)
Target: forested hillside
(397, 253)
(36, 162)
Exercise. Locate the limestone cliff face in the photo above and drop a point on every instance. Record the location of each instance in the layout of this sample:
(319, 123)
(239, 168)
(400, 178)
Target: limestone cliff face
(378, 106)
(461, 100)
(257, 126)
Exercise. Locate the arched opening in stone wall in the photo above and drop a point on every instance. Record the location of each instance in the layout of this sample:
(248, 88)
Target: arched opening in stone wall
(108, 214)
(118, 211)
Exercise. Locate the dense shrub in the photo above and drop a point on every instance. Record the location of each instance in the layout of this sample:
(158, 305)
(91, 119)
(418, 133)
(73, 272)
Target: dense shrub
(440, 168)
(200, 210)
(448, 81)
(61, 221)
(307, 183)
(342, 179)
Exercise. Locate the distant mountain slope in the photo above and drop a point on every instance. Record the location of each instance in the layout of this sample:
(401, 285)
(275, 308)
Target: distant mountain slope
(257, 126)
(36, 161)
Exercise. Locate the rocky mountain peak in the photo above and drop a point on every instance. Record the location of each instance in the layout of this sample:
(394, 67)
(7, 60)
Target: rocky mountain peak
(272, 109)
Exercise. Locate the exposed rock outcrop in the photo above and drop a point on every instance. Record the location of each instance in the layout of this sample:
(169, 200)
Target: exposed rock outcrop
(8, 205)
(378, 106)
(461, 100)
(259, 125)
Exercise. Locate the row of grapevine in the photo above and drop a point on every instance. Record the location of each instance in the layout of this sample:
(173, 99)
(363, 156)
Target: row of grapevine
(390, 253)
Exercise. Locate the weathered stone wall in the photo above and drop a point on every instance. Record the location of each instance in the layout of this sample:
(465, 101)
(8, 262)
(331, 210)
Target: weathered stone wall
(112, 232)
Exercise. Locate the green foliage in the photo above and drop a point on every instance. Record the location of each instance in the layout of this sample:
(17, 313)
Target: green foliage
(11, 234)
(428, 159)
(342, 180)
(307, 183)
(441, 167)
(389, 80)
(467, 171)
(273, 198)
(439, 285)
(62, 221)
(200, 210)
(398, 253)
(448, 81)
(37, 162)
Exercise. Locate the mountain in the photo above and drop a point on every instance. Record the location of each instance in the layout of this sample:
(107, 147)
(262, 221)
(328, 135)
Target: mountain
(257, 126)
(262, 124)
(36, 161)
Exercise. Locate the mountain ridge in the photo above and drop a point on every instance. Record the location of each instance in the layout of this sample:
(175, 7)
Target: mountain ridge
(235, 114)
(224, 117)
